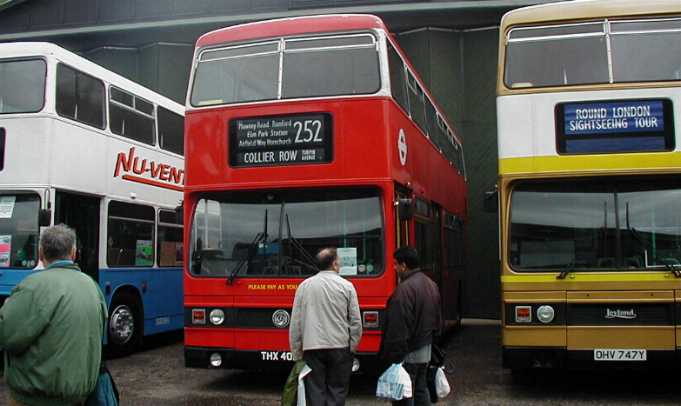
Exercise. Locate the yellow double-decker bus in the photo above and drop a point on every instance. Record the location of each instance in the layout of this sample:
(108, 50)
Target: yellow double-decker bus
(589, 118)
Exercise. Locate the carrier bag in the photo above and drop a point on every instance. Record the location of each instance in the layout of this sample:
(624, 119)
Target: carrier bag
(301, 385)
(438, 385)
(288, 396)
(394, 383)
(442, 387)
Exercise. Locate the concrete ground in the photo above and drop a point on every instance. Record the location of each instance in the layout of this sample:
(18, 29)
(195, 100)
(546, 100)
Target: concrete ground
(156, 376)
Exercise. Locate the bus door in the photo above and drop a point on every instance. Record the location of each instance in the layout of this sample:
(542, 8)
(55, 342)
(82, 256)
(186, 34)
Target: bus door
(81, 213)
(402, 198)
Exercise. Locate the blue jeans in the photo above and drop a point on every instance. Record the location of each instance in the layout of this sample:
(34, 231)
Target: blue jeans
(419, 386)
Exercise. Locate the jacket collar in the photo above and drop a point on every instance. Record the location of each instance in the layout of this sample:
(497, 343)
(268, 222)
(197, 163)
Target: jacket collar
(409, 273)
(64, 264)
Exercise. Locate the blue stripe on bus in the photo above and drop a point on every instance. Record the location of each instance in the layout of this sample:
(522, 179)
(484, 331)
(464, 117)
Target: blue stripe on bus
(162, 301)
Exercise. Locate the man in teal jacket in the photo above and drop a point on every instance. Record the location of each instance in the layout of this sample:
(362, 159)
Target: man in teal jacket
(51, 328)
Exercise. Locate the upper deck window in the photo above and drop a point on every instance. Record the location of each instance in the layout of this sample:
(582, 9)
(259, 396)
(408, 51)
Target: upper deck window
(170, 131)
(646, 50)
(80, 96)
(552, 56)
(237, 74)
(330, 66)
(577, 54)
(287, 68)
(131, 116)
(22, 86)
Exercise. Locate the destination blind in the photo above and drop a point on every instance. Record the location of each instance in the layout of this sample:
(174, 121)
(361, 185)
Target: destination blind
(280, 140)
(614, 126)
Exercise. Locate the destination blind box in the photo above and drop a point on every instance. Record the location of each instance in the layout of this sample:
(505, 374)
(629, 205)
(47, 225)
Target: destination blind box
(280, 140)
(614, 126)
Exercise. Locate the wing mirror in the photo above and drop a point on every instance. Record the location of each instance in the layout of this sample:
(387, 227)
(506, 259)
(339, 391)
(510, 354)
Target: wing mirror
(44, 217)
(405, 208)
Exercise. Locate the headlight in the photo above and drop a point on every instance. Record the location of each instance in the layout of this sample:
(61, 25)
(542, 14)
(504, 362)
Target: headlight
(215, 359)
(545, 314)
(217, 316)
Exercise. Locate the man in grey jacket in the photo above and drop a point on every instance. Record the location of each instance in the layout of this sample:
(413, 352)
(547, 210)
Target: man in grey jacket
(325, 329)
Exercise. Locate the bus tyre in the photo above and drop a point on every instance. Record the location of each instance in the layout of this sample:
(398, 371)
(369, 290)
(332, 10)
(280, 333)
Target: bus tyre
(125, 324)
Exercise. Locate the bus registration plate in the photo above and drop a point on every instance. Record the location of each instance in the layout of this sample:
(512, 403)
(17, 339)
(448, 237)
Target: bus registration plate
(276, 356)
(614, 354)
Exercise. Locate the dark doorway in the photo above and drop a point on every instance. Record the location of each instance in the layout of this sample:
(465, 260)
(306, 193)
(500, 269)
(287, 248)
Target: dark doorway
(81, 213)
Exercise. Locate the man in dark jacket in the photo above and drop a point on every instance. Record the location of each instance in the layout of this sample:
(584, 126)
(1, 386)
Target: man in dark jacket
(51, 328)
(413, 323)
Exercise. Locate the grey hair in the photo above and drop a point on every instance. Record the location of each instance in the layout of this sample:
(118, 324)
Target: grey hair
(57, 242)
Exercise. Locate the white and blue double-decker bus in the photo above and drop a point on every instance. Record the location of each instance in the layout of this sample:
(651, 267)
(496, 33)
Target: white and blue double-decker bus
(83, 146)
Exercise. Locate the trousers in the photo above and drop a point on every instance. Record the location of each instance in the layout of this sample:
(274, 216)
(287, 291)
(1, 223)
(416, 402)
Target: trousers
(328, 382)
(419, 386)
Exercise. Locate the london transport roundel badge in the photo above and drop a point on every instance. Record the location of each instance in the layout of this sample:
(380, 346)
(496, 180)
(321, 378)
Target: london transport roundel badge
(402, 147)
(281, 318)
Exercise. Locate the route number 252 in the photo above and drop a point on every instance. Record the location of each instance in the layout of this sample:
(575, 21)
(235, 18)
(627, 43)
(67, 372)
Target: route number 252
(308, 131)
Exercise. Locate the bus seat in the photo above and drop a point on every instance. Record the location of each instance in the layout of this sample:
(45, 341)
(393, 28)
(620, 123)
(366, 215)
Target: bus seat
(605, 262)
(669, 261)
(633, 262)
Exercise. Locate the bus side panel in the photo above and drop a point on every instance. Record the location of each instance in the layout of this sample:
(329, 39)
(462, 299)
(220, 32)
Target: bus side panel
(27, 146)
(432, 179)
(144, 283)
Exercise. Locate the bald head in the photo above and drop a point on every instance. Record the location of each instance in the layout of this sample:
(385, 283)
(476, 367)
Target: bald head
(327, 259)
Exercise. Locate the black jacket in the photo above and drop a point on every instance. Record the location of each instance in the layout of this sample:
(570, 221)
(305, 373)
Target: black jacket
(413, 318)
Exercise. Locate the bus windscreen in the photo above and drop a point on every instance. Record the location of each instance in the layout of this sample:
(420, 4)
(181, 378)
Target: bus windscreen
(588, 225)
(278, 233)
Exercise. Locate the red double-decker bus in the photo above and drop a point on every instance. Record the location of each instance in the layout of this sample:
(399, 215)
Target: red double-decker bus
(305, 133)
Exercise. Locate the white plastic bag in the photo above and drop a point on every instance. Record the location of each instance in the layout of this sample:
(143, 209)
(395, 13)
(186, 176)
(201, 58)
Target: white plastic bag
(394, 383)
(301, 385)
(441, 383)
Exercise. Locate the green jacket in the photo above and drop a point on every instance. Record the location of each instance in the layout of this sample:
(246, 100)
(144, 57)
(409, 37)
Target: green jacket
(51, 331)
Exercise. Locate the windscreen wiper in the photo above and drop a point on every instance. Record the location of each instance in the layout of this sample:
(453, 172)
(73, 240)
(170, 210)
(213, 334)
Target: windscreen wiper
(308, 260)
(675, 269)
(252, 247)
(569, 268)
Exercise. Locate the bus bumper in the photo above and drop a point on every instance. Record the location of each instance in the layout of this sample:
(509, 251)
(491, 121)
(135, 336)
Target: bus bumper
(206, 357)
(519, 358)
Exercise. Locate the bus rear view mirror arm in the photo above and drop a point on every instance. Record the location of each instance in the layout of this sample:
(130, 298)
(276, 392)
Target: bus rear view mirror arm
(491, 200)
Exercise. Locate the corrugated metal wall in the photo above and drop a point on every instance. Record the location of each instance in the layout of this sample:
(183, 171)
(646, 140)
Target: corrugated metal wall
(460, 69)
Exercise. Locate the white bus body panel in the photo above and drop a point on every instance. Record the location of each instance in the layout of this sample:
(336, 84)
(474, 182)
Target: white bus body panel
(526, 124)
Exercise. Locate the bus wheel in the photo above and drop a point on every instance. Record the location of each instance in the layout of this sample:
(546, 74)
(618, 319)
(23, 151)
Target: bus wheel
(125, 324)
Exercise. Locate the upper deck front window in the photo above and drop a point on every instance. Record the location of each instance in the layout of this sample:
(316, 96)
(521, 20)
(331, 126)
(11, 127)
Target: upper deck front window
(593, 53)
(22, 85)
(286, 69)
